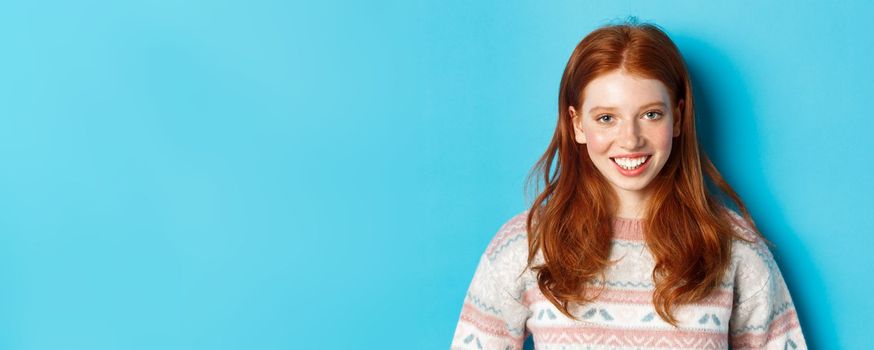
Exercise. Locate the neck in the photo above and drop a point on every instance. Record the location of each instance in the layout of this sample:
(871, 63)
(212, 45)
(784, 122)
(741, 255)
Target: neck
(632, 204)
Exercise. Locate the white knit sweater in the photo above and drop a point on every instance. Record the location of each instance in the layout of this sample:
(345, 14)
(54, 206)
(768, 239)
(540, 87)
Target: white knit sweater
(751, 310)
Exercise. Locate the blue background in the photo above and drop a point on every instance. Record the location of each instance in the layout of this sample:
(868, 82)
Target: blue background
(274, 175)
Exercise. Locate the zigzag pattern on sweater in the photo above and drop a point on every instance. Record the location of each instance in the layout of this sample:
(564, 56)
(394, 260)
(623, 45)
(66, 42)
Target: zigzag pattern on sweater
(504, 306)
(476, 301)
(773, 315)
(621, 337)
(500, 248)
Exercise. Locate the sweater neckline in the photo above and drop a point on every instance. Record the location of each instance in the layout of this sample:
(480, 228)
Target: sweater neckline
(628, 229)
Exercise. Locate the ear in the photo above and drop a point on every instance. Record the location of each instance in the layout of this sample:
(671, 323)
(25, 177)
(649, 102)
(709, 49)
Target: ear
(678, 117)
(577, 122)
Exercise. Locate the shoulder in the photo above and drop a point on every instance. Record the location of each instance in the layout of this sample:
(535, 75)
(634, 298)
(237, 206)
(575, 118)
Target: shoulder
(506, 256)
(503, 267)
(752, 259)
(510, 240)
(741, 226)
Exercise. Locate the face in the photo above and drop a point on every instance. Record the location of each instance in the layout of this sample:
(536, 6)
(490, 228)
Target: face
(627, 123)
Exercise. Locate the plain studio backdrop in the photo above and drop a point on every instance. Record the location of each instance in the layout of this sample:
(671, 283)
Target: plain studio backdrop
(325, 175)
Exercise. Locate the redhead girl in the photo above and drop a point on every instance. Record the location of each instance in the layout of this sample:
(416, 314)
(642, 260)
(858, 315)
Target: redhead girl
(631, 243)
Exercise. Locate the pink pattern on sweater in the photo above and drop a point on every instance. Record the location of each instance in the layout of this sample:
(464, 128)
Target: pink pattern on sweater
(505, 304)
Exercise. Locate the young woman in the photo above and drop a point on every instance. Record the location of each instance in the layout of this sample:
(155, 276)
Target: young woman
(631, 243)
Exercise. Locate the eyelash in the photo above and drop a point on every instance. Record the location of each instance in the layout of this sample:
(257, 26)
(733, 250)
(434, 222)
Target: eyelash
(658, 112)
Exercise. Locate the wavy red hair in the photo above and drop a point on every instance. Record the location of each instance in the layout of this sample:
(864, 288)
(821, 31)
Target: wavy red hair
(687, 226)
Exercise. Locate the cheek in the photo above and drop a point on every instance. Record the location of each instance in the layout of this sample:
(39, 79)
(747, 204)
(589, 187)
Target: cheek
(662, 139)
(597, 143)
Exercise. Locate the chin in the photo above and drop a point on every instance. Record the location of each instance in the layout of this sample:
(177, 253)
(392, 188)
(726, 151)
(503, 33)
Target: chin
(634, 189)
(638, 186)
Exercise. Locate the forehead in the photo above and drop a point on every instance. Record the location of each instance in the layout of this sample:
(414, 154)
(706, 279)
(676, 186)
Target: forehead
(619, 89)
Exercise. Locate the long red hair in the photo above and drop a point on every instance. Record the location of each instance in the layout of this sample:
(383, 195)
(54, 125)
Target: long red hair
(687, 226)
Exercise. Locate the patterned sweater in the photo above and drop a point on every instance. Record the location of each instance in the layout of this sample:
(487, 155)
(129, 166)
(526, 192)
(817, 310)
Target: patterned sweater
(752, 309)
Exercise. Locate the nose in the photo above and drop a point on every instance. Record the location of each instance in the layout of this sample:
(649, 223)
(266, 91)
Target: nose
(629, 135)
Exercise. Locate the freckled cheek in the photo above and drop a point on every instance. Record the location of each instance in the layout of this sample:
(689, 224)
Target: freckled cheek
(598, 143)
(661, 139)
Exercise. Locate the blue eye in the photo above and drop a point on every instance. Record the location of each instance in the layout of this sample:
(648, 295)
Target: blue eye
(601, 118)
(652, 115)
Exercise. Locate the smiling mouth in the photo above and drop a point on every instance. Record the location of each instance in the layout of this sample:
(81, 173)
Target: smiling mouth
(631, 163)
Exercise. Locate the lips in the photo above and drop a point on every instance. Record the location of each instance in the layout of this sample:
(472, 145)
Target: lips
(631, 166)
(630, 163)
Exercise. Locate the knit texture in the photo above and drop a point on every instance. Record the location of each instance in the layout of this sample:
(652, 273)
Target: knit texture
(752, 308)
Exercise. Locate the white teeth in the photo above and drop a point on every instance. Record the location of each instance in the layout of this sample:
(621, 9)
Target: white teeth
(630, 163)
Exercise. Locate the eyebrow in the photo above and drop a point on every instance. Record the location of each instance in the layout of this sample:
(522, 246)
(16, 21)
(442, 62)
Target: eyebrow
(608, 109)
